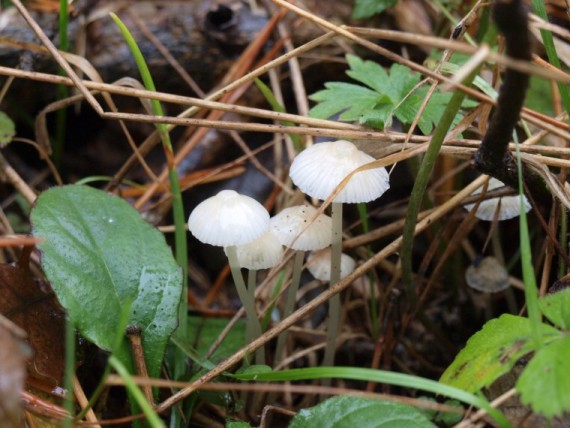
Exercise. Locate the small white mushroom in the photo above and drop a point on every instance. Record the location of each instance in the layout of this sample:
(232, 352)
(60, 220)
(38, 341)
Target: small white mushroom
(262, 253)
(294, 229)
(319, 169)
(509, 205)
(319, 264)
(228, 218)
(487, 275)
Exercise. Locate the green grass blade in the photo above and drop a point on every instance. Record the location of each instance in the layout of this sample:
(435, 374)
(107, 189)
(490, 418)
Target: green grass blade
(276, 106)
(540, 10)
(135, 392)
(421, 182)
(380, 376)
(181, 244)
(530, 288)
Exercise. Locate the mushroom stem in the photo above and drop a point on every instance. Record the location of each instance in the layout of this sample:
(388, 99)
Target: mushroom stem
(251, 283)
(333, 322)
(252, 321)
(290, 303)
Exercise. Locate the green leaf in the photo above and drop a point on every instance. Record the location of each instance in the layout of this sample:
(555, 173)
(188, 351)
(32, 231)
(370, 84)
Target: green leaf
(346, 411)
(254, 370)
(352, 100)
(366, 8)
(238, 424)
(492, 352)
(205, 331)
(556, 307)
(545, 382)
(99, 254)
(7, 129)
(385, 94)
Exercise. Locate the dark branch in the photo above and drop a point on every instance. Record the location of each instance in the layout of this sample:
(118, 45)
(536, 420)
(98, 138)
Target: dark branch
(493, 157)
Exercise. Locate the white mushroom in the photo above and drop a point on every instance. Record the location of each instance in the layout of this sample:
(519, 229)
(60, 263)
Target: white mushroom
(297, 228)
(509, 205)
(319, 264)
(262, 253)
(226, 220)
(317, 171)
(487, 275)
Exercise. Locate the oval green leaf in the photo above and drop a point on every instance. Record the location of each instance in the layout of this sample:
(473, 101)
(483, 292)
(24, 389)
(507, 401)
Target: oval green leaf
(99, 255)
(7, 129)
(346, 411)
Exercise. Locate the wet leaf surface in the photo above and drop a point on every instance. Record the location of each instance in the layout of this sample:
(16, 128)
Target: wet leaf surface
(348, 412)
(100, 255)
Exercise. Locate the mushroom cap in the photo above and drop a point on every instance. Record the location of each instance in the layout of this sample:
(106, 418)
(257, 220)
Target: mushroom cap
(319, 264)
(290, 222)
(228, 218)
(319, 169)
(487, 275)
(510, 205)
(262, 253)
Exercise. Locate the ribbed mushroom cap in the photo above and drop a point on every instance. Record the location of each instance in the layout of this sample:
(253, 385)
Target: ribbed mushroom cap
(319, 264)
(487, 275)
(289, 223)
(263, 253)
(228, 219)
(510, 205)
(318, 169)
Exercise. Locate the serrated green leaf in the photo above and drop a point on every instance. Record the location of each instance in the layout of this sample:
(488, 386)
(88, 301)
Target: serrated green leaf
(556, 307)
(7, 129)
(492, 352)
(366, 8)
(99, 254)
(352, 100)
(386, 94)
(368, 72)
(349, 412)
(402, 81)
(545, 382)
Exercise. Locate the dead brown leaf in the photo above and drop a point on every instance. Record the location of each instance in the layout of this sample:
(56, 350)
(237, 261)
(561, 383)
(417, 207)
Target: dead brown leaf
(39, 314)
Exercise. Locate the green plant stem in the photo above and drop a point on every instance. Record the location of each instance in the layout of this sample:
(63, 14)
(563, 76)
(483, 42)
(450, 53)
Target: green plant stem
(380, 376)
(290, 303)
(181, 249)
(121, 328)
(69, 372)
(333, 322)
(540, 10)
(135, 392)
(251, 284)
(530, 288)
(373, 303)
(420, 185)
(253, 324)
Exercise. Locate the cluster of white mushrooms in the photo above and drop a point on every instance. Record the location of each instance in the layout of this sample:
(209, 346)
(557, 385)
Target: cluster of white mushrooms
(487, 274)
(253, 241)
